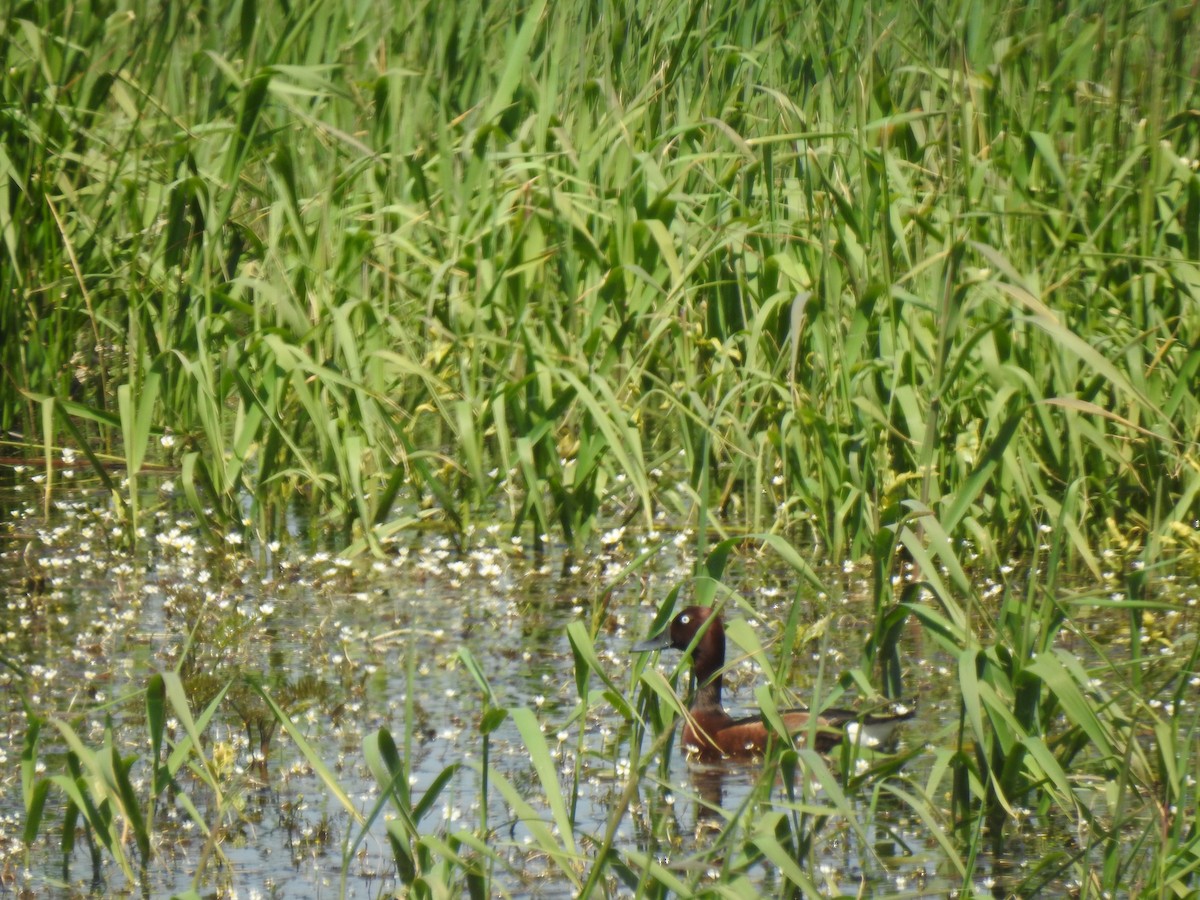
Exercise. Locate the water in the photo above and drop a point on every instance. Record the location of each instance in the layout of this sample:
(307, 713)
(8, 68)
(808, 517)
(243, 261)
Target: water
(349, 648)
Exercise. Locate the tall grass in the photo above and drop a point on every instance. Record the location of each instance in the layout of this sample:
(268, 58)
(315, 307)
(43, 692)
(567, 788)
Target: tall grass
(918, 283)
(361, 265)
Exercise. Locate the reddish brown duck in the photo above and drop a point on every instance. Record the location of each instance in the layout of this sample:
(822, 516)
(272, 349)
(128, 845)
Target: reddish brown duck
(712, 734)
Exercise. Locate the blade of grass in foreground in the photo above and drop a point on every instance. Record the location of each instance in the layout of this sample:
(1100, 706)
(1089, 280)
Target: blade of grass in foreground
(309, 753)
(539, 753)
(561, 848)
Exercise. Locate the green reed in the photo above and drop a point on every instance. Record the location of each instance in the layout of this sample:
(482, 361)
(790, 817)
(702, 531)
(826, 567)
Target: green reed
(917, 285)
(381, 265)
(103, 800)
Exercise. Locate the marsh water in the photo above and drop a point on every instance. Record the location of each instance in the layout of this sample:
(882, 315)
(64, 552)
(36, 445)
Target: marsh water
(348, 647)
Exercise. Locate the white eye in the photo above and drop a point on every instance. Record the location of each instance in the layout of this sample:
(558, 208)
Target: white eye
(685, 619)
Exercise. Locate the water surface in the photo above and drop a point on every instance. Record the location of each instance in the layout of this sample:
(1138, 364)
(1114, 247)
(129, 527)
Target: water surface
(351, 647)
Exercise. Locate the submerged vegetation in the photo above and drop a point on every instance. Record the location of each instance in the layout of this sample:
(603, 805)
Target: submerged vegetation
(439, 725)
(916, 285)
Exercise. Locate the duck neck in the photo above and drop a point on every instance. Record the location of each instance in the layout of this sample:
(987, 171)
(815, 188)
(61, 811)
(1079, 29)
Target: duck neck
(710, 661)
(708, 692)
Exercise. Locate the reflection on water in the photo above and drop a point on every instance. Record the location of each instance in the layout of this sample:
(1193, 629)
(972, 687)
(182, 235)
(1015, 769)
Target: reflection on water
(348, 648)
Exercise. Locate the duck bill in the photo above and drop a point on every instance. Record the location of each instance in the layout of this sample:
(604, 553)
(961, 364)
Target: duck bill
(660, 641)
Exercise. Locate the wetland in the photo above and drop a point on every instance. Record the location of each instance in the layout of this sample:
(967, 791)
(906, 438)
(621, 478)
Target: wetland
(475, 661)
(374, 376)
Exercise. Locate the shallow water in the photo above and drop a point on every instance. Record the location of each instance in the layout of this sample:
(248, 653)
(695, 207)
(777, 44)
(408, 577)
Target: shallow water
(352, 647)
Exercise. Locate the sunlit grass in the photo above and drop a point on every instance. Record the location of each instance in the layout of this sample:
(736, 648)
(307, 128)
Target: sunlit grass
(804, 269)
(917, 286)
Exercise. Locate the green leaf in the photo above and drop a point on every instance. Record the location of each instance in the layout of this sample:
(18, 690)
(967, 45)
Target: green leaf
(559, 850)
(516, 61)
(764, 839)
(543, 764)
(1051, 669)
(309, 753)
(586, 661)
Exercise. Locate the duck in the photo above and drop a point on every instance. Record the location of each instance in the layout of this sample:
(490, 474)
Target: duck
(710, 734)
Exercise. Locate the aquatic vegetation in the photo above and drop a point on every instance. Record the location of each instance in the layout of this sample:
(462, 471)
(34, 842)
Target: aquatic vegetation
(821, 269)
(477, 722)
(373, 374)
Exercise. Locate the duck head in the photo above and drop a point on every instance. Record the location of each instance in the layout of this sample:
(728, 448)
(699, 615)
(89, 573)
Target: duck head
(708, 654)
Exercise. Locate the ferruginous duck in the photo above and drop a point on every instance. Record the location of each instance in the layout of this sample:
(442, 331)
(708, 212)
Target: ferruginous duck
(711, 734)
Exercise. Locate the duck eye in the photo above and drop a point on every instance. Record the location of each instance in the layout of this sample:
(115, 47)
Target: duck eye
(685, 619)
